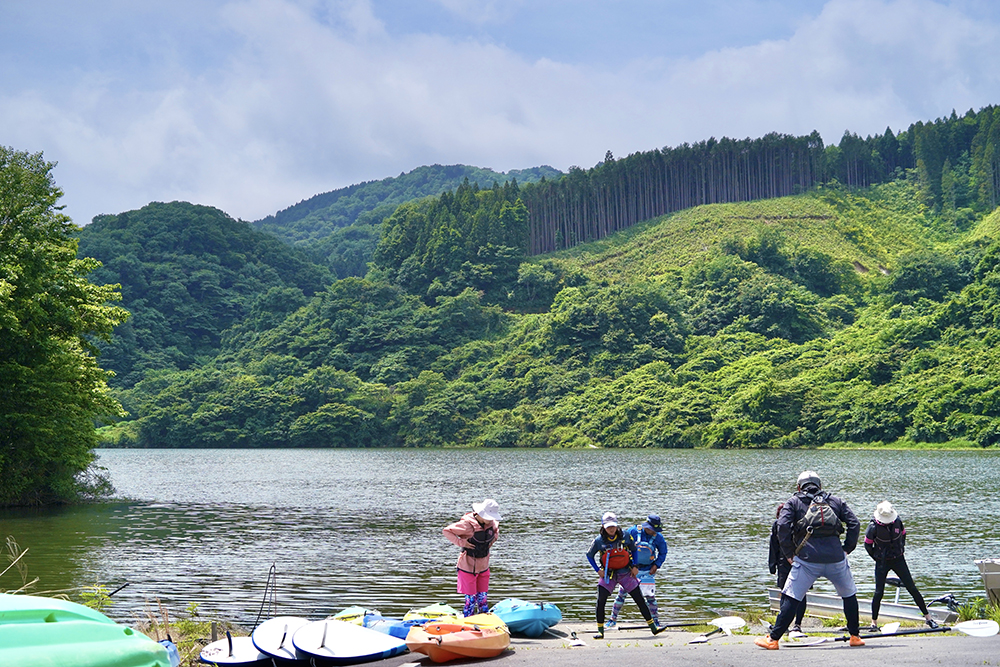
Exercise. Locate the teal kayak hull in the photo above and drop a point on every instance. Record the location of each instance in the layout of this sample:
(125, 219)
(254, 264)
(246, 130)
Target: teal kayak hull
(530, 619)
(44, 632)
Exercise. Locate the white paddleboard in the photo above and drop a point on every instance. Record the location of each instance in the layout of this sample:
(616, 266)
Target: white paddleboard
(239, 653)
(274, 637)
(338, 643)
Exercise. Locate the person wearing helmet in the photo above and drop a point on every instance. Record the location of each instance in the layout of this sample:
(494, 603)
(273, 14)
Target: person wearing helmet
(809, 528)
(885, 541)
(650, 552)
(612, 555)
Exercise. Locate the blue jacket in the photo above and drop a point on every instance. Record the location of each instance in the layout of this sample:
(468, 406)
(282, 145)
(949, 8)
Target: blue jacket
(817, 549)
(649, 551)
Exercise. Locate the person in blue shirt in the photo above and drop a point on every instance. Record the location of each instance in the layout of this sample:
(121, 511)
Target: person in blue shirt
(650, 552)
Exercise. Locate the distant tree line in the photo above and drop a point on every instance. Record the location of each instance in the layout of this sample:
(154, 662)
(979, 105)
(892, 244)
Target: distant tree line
(955, 159)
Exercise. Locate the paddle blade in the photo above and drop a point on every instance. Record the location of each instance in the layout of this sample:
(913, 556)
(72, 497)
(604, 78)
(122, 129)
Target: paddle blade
(889, 628)
(978, 628)
(728, 623)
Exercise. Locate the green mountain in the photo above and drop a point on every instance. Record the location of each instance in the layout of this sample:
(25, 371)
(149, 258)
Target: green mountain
(840, 316)
(188, 273)
(341, 228)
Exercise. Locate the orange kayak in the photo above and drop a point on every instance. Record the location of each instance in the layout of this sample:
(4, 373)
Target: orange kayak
(442, 642)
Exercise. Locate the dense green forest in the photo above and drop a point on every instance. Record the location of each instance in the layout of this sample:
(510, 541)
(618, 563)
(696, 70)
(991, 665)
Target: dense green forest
(840, 316)
(340, 229)
(956, 159)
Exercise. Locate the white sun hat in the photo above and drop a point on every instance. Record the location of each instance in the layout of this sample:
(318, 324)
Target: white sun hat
(885, 513)
(488, 509)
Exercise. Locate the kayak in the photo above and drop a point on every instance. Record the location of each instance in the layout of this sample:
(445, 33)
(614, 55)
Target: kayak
(431, 612)
(442, 642)
(395, 627)
(44, 632)
(333, 642)
(274, 638)
(356, 615)
(530, 619)
(234, 652)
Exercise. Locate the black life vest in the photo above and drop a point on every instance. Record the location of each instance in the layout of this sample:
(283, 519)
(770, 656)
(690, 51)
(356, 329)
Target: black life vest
(481, 540)
(888, 540)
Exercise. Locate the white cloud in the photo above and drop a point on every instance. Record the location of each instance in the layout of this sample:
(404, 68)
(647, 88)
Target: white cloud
(309, 96)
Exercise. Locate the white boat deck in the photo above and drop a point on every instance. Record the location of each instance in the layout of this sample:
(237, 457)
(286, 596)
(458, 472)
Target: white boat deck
(989, 568)
(827, 606)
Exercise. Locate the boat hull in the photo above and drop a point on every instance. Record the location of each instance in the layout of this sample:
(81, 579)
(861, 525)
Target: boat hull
(989, 568)
(333, 642)
(530, 619)
(827, 606)
(442, 642)
(43, 632)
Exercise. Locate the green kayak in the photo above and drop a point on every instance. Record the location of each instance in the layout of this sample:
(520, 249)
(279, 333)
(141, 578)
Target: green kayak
(43, 632)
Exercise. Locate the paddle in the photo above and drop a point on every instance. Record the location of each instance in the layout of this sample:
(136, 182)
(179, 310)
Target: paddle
(731, 622)
(725, 624)
(976, 628)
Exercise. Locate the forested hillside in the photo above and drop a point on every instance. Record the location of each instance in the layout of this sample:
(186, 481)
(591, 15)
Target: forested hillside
(341, 228)
(188, 273)
(838, 316)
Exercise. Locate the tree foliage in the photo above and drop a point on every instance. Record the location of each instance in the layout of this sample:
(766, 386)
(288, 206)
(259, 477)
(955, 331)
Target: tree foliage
(51, 388)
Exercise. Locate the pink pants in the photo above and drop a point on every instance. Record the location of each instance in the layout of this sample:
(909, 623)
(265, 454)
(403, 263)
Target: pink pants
(470, 584)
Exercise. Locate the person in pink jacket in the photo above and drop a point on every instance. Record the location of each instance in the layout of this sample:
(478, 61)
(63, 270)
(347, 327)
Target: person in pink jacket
(475, 533)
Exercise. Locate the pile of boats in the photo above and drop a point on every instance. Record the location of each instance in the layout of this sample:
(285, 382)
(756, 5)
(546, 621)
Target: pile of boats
(358, 635)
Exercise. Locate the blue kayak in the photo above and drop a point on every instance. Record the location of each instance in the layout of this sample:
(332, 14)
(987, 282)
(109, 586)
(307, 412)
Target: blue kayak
(395, 627)
(530, 619)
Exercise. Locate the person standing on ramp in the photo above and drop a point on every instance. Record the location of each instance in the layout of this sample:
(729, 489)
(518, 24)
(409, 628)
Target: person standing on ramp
(809, 528)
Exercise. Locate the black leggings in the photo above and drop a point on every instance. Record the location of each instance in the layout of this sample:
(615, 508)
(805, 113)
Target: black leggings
(602, 601)
(898, 566)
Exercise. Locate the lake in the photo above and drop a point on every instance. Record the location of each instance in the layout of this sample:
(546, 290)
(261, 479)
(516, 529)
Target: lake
(363, 527)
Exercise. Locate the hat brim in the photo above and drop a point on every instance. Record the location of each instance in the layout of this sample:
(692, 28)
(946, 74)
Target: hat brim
(886, 519)
(485, 512)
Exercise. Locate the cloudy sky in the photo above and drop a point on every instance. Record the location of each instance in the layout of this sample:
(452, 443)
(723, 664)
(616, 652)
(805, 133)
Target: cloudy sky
(254, 105)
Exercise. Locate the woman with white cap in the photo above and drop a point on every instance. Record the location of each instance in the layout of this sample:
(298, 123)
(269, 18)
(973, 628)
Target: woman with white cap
(475, 533)
(612, 555)
(885, 541)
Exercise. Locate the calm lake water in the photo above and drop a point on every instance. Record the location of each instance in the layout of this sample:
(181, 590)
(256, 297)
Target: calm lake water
(346, 527)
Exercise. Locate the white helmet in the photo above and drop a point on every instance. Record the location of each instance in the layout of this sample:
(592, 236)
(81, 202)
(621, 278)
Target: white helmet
(809, 477)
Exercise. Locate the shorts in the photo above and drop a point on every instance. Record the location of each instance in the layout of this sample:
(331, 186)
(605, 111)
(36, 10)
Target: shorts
(470, 584)
(623, 578)
(804, 574)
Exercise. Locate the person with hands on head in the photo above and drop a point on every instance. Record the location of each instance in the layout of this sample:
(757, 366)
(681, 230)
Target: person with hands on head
(612, 555)
(475, 532)
(809, 528)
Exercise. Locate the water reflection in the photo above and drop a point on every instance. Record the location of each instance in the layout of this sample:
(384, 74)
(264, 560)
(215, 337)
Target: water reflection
(363, 526)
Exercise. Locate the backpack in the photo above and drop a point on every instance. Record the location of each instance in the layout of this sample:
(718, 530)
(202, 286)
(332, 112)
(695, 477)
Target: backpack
(820, 519)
